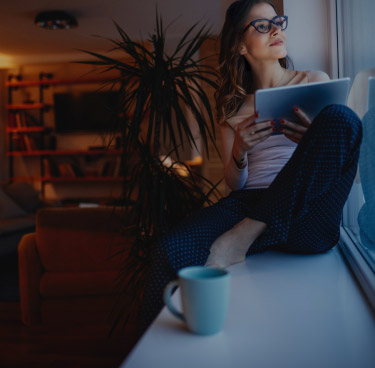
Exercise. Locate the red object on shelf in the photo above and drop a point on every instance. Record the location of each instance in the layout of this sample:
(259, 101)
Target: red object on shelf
(80, 179)
(26, 106)
(54, 82)
(67, 179)
(35, 129)
(63, 152)
(24, 178)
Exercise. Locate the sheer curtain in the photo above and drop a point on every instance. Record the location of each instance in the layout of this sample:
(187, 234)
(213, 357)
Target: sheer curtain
(356, 59)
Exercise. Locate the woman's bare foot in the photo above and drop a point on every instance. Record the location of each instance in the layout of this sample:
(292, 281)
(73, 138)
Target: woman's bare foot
(231, 247)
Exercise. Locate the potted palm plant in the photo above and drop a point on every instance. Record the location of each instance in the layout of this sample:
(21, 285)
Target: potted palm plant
(157, 90)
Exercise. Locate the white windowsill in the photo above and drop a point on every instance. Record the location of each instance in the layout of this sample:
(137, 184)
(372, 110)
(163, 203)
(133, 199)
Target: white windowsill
(358, 265)
(285, 311)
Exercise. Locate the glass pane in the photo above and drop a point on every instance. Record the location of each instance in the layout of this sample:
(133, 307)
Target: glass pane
(356, 26)
(280, 21)
(262, 25)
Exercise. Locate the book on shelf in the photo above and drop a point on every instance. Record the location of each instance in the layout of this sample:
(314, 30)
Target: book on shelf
(66, 170)
(19, 118)
(30, 120)
(105, 169)
(29, 143)
(47, 168)
(70, 170)
(54, 169)
(111, 168)
(78, 172)
(22, 119)
(18, 143)
(12, 120)
(117, 168)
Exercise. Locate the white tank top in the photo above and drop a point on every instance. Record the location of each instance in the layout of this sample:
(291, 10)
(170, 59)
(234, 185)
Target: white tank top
(267, 158)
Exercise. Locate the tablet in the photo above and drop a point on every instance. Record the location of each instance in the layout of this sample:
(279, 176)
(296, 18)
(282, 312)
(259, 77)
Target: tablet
(278, 103)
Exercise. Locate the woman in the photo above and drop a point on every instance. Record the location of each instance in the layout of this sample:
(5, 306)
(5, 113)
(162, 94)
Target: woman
(288, 190)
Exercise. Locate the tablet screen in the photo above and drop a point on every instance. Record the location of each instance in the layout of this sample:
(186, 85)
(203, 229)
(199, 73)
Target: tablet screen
(278, 103)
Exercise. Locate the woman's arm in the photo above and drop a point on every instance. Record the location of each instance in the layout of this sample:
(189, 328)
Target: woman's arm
(237, 143)
(235, 177)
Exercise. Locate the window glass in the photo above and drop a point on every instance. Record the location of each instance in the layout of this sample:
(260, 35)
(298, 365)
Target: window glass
(356, 51)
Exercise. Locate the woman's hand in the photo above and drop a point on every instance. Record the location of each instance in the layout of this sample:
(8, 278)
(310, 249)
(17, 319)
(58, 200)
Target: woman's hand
(249, 134)
(294, 131)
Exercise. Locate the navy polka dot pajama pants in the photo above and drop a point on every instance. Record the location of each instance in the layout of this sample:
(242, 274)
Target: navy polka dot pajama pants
(302, 207)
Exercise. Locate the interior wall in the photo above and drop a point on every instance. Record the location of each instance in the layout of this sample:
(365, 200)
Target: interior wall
(308, 40)
(3, 119)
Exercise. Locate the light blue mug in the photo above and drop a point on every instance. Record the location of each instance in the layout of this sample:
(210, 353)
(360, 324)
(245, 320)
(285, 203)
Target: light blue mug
(204, 297)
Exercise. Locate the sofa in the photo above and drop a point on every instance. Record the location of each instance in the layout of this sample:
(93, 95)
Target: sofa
(68, 268)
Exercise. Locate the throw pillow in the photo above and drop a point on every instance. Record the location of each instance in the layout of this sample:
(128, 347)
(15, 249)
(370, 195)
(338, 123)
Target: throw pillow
(24, 195)
(8, 208)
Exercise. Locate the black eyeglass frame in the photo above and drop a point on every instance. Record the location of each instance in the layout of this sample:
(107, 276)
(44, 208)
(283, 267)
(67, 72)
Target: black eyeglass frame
(270, 21)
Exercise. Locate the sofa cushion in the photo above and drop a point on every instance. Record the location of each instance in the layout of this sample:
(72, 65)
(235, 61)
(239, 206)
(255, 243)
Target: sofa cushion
(24, 195)
(89, 310)
(8, 208)
(17, 224)
(80, 240)
(69, 284)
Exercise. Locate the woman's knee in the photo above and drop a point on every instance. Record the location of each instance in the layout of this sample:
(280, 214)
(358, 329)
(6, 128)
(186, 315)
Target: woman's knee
(338, 123)
(341, 116)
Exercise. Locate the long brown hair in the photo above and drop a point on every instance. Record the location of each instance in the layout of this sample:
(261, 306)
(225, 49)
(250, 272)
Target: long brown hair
(235, 72)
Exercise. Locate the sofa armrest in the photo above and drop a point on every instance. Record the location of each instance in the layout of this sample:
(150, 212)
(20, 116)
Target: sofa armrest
(30, 273)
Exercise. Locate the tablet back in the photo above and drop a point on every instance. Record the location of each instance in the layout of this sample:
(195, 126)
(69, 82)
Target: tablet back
(278, 103)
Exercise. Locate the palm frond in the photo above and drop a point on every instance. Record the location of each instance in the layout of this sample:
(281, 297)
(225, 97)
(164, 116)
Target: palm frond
(157, 90)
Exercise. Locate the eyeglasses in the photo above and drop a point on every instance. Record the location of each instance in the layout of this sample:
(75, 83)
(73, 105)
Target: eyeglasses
(264, 25)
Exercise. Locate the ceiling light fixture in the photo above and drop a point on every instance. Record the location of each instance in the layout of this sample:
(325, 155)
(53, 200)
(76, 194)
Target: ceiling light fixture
(56, 19)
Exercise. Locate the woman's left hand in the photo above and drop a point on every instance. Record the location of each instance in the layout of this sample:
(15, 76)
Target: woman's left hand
(295, 131)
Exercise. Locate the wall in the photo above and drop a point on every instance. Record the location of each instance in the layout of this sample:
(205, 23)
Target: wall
(308, 34)
(3, 118)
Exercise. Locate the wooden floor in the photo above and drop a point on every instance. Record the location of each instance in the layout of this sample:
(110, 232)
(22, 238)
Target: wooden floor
(52, 346)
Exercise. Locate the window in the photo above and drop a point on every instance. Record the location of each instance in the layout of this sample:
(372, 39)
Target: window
(356, 59)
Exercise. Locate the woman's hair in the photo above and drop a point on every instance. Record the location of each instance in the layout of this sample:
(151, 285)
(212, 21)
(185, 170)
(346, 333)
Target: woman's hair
(235, 80)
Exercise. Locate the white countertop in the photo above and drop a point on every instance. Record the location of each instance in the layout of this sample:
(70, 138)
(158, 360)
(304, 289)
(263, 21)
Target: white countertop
(285, 311)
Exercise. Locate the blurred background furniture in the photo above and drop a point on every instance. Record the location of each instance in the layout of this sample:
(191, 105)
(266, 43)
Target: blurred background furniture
(18, 203)
(68, 268)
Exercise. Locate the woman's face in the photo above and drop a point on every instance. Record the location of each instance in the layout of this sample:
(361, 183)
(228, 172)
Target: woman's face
(259, 47)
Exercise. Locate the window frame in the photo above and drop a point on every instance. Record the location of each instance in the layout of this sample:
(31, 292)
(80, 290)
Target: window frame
(349, 246)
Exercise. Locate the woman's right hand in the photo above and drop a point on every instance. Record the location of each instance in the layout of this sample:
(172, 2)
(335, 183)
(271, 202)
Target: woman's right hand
(249, 134)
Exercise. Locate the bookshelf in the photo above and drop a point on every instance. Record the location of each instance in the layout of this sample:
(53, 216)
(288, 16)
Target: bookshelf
(28, 136)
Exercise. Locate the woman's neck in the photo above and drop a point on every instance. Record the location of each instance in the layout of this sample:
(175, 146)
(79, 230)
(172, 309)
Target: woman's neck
(268, 75)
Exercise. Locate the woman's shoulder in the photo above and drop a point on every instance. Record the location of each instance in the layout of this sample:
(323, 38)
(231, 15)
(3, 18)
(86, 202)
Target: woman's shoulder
(316, 76)
(307, 76)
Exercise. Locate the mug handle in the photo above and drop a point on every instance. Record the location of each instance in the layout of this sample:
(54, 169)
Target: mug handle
(168, 302)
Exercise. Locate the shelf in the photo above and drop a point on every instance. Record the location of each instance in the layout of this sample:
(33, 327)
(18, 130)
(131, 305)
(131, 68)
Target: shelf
(36, 129)
(22, 122)
(26, 106)
(24, 178)
(80, 152)
(56, 82)
(64, 152)
(64, 179)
